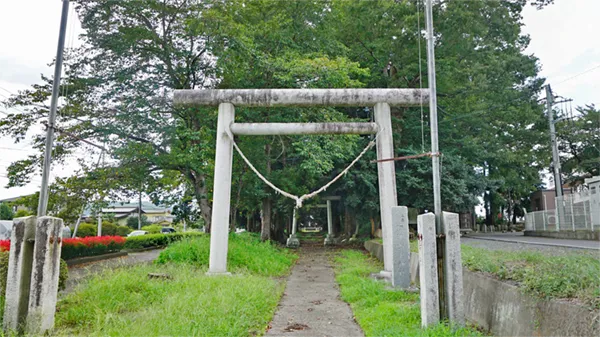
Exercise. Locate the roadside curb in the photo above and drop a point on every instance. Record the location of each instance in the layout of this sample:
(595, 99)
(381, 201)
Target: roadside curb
(95, 258)
(528, 243)
(137, 250)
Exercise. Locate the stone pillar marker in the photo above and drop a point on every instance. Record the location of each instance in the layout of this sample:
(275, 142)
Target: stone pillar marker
(386, 174)
(400, 248)
(428, 273)
(44, 274)
(19, 273)
(33, 272)
(221, 192)
(453, 270)
(292, 241)
(330, 239)
(99, 233)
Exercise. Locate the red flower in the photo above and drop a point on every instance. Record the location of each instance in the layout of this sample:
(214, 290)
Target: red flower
(4, 245)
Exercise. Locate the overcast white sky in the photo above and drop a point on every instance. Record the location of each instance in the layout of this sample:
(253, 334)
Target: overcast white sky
(564, 38)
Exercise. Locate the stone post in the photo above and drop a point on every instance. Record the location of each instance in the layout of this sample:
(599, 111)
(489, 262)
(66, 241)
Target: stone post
(453, 269)
(428, 273)
(387, 179)
(400, 248)
(219, 234)
(330, 239)
(44, 275)
(19, 273)
(292, 241)
(99, 233)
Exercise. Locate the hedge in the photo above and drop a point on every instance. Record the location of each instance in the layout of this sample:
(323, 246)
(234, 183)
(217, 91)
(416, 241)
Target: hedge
(152, 229)
(108, 229)
(90, 246)
(154, 240)
(87, 229)
(62, 276)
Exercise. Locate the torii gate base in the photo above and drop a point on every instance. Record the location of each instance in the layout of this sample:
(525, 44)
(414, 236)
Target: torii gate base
(381, 99)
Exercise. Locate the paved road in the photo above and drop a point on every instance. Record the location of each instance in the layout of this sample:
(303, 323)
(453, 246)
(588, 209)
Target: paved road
(517, 242)
(310, 305)
(79, 273)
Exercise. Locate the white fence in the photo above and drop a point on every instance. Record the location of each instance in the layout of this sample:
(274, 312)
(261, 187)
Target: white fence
(574, 213)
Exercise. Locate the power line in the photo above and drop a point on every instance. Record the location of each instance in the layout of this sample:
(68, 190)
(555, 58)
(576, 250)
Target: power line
(581, 73)
(14, 149)
(6, 91)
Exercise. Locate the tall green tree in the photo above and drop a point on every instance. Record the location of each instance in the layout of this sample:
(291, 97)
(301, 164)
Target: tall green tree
(579, 142)
(117, 89)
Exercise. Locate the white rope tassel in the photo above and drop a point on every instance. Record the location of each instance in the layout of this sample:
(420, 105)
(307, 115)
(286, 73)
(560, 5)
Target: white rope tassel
(299, 200)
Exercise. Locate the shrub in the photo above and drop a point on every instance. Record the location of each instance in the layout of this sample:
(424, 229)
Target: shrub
(109, 228)
(132, 222)
(90, 246)
(152, 229)
(22, 213)
(123, 230)
(155, 240)
(246, 254)
(87, 229)
(6, 213)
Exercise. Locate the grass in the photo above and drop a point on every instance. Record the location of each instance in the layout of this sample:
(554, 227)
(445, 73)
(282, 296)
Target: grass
(378, 310)
(126, 302)
(246, 254)
(563, 276)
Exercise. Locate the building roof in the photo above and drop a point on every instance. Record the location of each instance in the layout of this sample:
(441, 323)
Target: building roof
(124, 208)
(13, 198)
(592, 180)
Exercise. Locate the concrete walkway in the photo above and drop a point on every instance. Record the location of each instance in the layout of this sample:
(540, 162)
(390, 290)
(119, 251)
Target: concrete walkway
(518, 237)
(79, 273)
(310, 305)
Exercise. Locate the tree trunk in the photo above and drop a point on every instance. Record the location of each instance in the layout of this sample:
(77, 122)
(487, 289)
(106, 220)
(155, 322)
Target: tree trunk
(236, 204)
(348, 221)
(201, 193)
(372, 228)
(265, 220)
(140, 209)
(265, 233)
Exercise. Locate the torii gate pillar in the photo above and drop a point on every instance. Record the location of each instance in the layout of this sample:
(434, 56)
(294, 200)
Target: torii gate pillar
(387, 180)
(217, 264)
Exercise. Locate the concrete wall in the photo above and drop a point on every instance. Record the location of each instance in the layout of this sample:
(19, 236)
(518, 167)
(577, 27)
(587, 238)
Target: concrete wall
(573, 235)
(504, 310)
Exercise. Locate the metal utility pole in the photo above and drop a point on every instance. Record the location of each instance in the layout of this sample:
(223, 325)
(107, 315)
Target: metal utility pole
(435, 157)
(555, 158)
(43, 201)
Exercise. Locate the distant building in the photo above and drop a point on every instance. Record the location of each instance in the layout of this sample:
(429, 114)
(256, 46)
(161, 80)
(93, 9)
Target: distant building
(123, 210)
(594, 197)
(14, 207)
(543, 200)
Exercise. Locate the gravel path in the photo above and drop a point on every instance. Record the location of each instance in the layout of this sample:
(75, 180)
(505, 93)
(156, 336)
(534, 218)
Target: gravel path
(310, 305)
(81, 272)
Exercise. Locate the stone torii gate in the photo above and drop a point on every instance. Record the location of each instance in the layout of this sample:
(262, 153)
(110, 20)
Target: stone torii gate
(227, 99)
